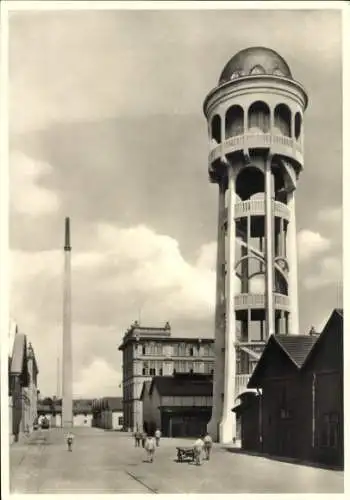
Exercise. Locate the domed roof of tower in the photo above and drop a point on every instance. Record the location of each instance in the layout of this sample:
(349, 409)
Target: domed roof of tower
(255, 61)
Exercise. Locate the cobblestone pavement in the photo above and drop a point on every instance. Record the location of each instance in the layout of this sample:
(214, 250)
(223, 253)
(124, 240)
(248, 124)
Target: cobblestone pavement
(108, 462)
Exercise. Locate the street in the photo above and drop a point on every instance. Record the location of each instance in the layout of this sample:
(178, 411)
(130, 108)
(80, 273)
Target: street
(108, 462)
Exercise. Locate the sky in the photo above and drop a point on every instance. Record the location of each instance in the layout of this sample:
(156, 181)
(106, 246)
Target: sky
(106, 127)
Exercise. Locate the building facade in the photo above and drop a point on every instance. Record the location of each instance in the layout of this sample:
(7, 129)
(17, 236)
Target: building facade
(300, 400)
(255, 125)
(23, 373)
(108, 413)
(51, 408)
(149, 352)
(179, 405)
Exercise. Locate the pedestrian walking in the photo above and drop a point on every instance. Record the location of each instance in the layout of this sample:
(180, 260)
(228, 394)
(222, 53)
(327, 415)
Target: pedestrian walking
(137, 436)
(157, 435)
(208, 444)
(198, 450)
(143, 439)
(70, 439)
(150, 448)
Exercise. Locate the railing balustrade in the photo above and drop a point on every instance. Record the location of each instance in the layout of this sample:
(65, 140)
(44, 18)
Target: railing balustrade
(252, 140)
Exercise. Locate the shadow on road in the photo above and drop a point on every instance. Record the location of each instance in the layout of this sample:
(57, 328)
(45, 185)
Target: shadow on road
(239, 451)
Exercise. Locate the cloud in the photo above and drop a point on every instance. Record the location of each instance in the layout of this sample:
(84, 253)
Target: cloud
(98, 379)
(329, 272)
(332, 215)
(126, 270)
(27, 197)
(311, 243)
(79, 65)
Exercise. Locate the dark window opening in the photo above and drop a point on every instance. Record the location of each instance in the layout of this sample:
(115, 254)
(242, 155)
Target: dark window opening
(216, 129)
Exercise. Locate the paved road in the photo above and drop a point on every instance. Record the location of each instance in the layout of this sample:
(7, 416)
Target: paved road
(108, 462)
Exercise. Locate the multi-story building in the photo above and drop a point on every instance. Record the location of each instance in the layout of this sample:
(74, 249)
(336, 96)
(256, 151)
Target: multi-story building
(150, 351)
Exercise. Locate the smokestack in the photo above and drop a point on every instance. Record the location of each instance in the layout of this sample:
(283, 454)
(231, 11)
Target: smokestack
(67, 246)
(67, 368)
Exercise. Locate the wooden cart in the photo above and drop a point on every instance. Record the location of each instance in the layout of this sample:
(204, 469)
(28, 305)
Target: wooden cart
(184, 454)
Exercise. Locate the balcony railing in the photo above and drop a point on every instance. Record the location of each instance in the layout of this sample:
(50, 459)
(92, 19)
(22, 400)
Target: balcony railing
(257, 207)
(258, 301)
(256, 141)
(241, 383)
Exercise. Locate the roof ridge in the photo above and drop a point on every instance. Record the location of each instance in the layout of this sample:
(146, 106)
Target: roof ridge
(285, 350)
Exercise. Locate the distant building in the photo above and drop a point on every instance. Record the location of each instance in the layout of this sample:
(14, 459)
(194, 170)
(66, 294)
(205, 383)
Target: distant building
(51, 408)
(299, 412)
(108, 413)
(23, 372)
(149, 352)
(178, 405)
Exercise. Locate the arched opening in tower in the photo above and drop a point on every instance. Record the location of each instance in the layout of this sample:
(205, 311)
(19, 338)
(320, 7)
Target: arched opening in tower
(281, 285)
(259, 117)
(279, 183)
(216, 130)
(250, 181)
(234, 121)
(282, 120)
(297, 126)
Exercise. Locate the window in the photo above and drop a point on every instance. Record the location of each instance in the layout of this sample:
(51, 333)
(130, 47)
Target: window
(160, 371)
(329, 430)
(120, 421)
(191, 351)
(206, 350)
(145, 369)
(257, 70)
(143, 349)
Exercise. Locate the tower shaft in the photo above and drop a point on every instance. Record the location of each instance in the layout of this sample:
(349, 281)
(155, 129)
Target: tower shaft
(67, 375)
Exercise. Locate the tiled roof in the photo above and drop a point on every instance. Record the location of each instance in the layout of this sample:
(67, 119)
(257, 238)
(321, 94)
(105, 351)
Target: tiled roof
(297, 347)
(114, 403)
(182, 386)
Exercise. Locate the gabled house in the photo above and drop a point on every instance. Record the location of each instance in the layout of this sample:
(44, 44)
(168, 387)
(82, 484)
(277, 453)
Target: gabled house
(299, 408)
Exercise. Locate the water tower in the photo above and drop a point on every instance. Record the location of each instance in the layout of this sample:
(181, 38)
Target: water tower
(255, 125)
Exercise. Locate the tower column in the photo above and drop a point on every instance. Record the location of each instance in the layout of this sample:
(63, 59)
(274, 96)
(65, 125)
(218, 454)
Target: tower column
(67, 392)
(219, 363)
(269, 249)
(227, 424)
(292, 257)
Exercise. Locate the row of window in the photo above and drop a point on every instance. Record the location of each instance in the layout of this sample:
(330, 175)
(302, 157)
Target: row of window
(175, 350)
(259, 118)
(154, 368)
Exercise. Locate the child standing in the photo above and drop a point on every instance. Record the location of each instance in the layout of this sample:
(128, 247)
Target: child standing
(69, 439)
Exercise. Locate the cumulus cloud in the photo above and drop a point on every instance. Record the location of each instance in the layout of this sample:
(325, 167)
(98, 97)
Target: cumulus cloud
(125, 270)
(311, 243)
(27, 196)
(329, 272)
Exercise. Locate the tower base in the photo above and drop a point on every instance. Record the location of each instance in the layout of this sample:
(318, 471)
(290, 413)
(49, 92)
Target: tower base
(223, 431)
